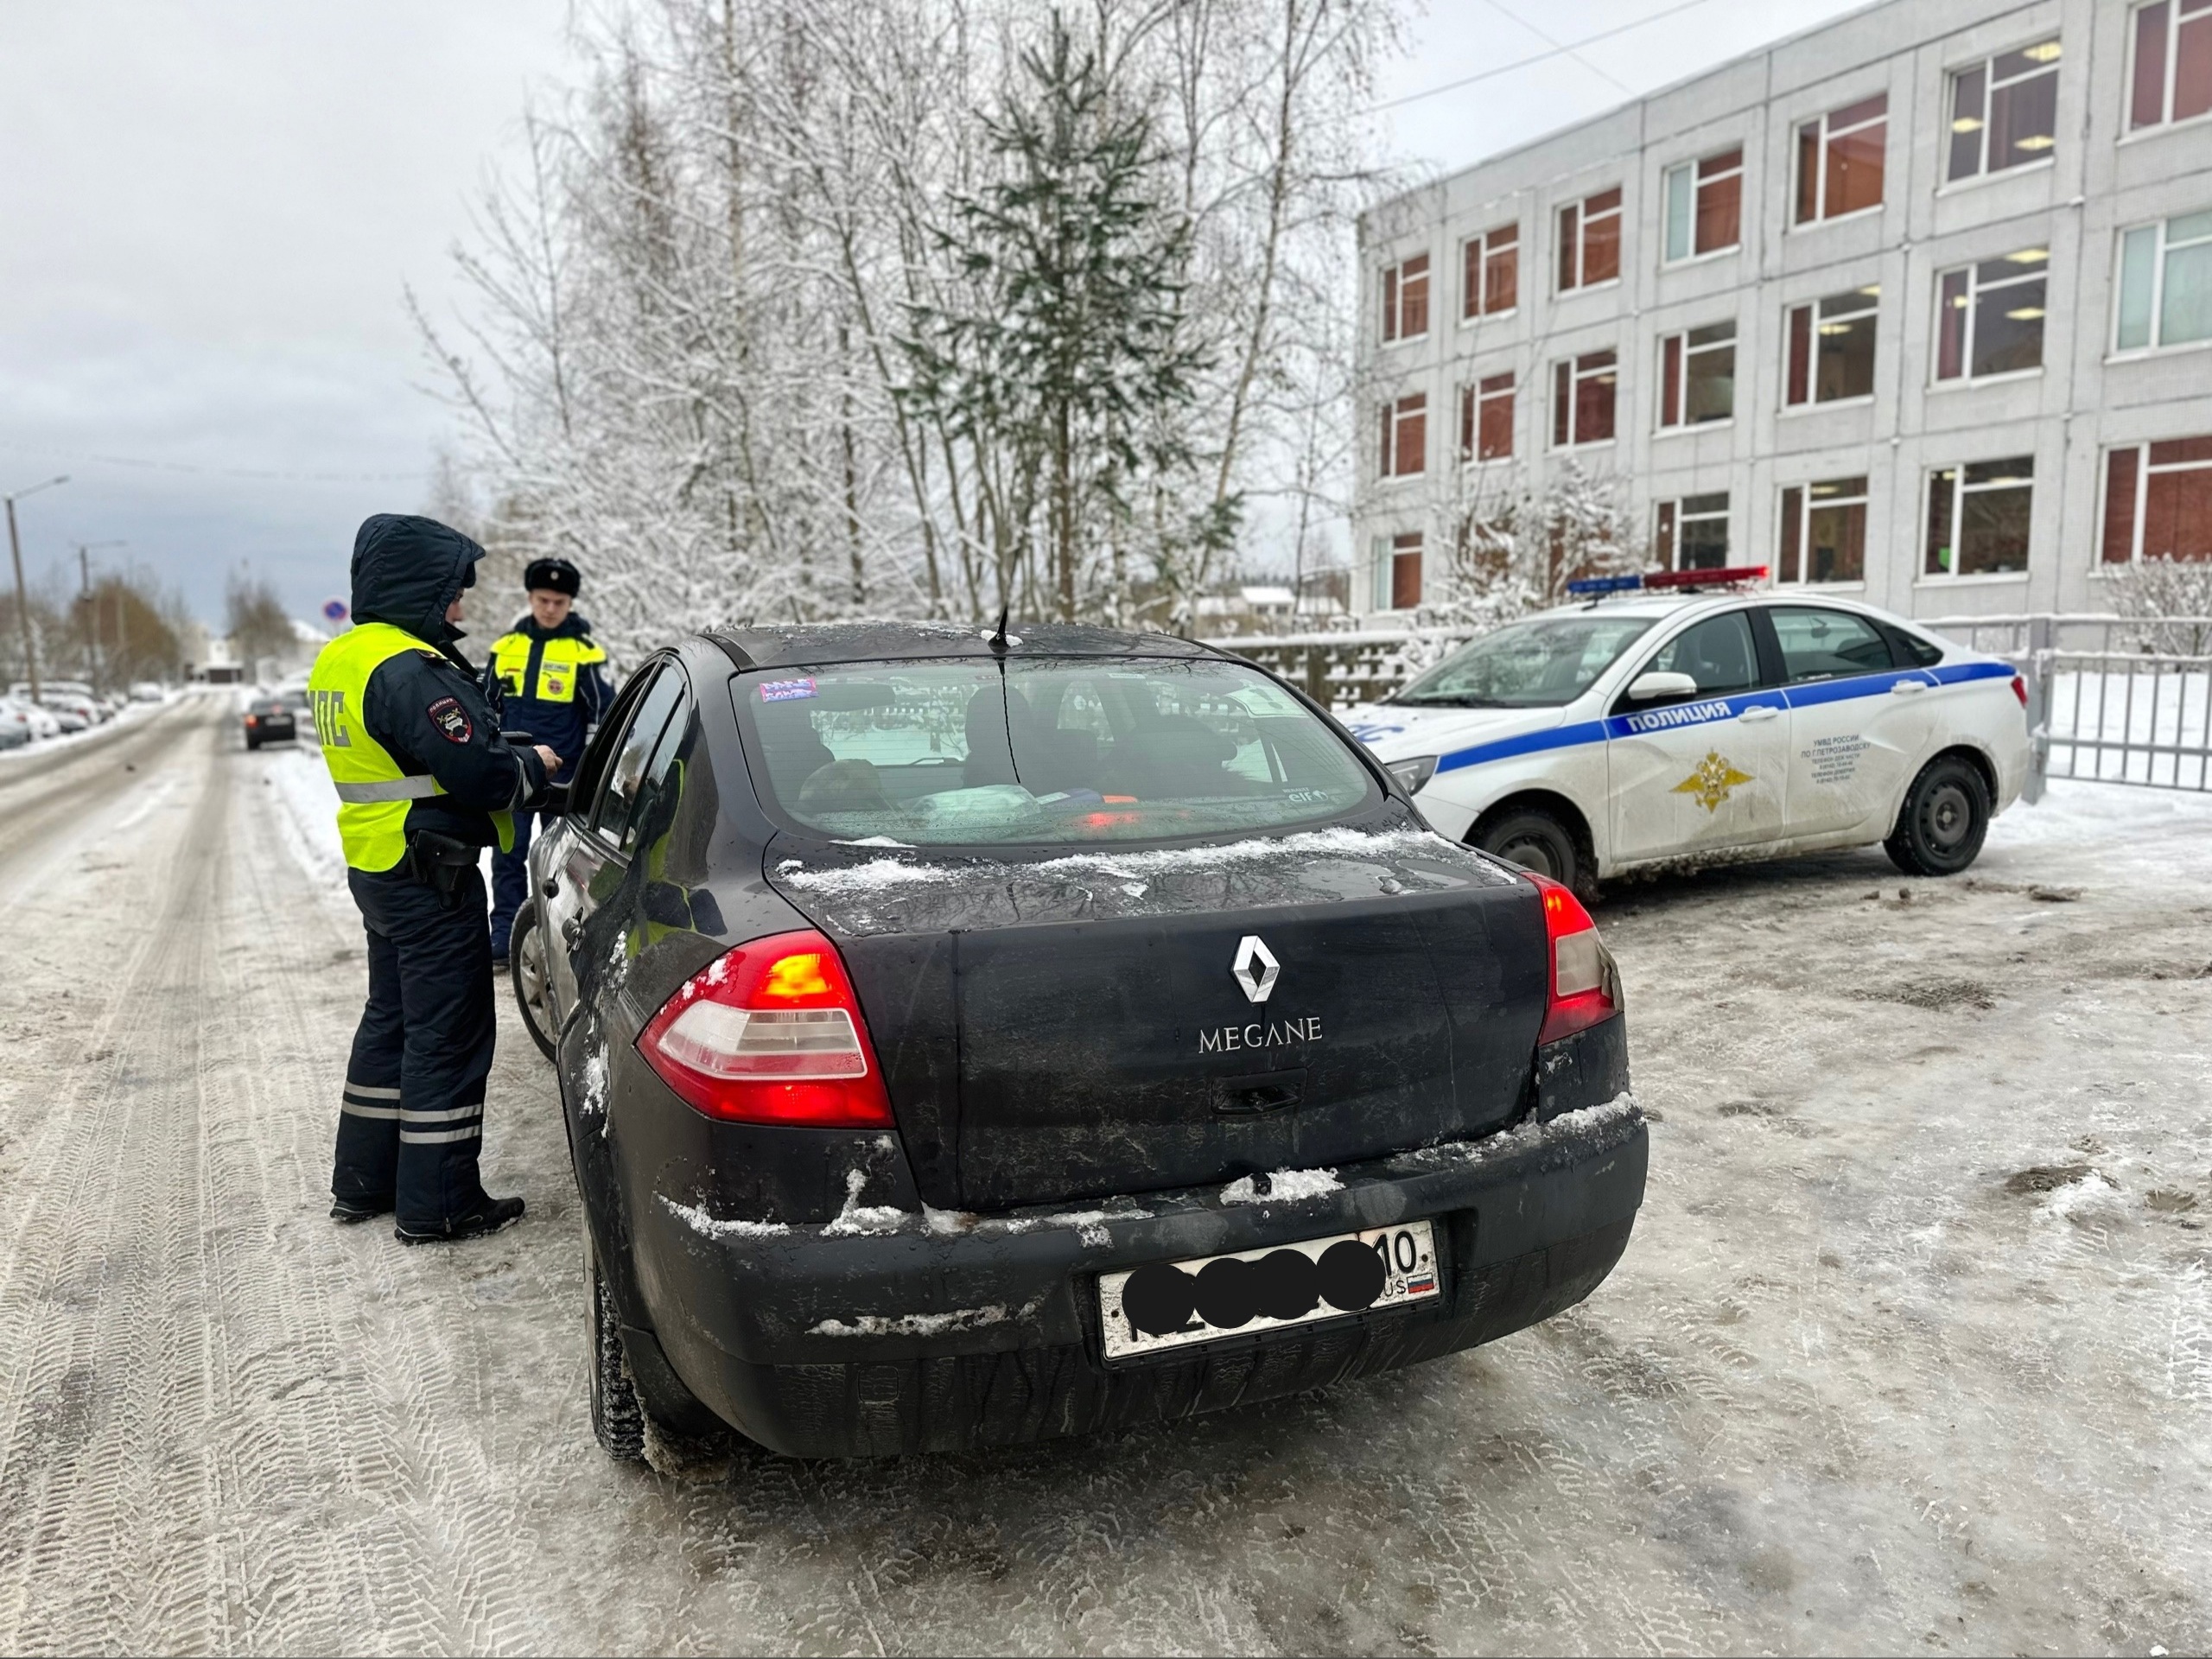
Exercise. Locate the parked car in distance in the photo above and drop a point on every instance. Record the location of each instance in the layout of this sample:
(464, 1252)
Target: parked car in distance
(1686, 716)
(36, 720)
(268, 721)
(146, 692)
(967, 1041)
(14, 729)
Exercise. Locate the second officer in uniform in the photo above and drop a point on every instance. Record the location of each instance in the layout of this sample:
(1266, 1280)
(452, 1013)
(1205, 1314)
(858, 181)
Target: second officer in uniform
(424, 783)
(544, 677)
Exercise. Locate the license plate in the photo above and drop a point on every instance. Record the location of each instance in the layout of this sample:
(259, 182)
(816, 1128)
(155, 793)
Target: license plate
(1173, 1304)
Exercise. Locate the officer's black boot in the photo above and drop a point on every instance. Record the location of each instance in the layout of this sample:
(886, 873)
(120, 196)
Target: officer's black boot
(490, 1217)
(351, 1212)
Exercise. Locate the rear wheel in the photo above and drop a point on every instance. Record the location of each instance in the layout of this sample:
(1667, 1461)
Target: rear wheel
(1946, 815)
(617, 1419)
(1536, 840)
(528, 971)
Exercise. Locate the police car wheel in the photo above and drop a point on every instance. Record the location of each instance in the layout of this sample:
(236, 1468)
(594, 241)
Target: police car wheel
(617, 1419)
(1534, 839)
(527, 971)
(1946, 815)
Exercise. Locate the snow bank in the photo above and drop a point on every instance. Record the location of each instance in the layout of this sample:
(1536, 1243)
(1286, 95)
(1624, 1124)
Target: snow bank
(304, 807)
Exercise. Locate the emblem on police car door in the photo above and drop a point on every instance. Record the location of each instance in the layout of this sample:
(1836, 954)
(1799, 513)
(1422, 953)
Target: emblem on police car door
(1255, 969)
(1712, 781)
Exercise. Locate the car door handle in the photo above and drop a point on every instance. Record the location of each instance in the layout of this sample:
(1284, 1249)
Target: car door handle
(1901, 687)
(573, 929)
(1758, 712)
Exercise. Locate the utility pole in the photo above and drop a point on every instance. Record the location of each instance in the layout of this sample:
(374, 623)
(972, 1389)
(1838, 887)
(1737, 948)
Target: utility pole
(22, 597)
(95, 664)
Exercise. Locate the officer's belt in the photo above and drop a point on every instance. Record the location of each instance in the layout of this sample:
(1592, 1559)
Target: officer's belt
(390, 788)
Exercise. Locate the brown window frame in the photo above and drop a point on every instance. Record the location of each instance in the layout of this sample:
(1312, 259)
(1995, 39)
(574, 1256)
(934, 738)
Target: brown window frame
(1568, 376)
(1405, 427)
(2172, 52)
(1573, 271)
(1817, 140)
(2130, 468)
(1677, 351)
(1800, 503)
(1722, 173)
(1490, 273)
(1801, 333)
(2025, 73)
(1405, 293)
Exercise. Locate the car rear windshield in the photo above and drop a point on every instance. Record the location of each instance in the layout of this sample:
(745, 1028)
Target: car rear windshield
(1541, 664)
(1071, 750)
(267, 706)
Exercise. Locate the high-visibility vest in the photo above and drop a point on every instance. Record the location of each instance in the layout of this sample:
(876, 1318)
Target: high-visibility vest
(374, 793)
(560, 663)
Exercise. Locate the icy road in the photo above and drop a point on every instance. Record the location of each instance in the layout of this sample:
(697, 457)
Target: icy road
(1912, 1349)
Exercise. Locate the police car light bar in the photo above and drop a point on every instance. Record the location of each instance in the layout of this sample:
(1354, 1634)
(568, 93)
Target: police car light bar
(1729, 576)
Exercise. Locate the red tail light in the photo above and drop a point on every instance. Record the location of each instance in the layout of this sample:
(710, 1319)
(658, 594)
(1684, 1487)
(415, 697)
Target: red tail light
(1581, 993)
(2020, 689)
(771, 1033)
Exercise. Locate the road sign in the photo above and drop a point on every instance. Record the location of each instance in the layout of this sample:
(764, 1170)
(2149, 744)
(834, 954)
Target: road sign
(333, 611)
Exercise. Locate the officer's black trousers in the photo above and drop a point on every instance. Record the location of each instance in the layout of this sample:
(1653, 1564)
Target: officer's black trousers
(412, 1120)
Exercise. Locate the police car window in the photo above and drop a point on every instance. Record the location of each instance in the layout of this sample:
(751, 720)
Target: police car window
(1718, 653)
(1824, 645)
(1047, 753)
(1540, 664)
(626, 771)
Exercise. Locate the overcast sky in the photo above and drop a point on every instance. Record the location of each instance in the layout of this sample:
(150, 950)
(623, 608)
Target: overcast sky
(208, 213)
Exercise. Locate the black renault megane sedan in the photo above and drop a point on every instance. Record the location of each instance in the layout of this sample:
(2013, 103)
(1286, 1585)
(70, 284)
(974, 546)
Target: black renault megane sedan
(968, 1037)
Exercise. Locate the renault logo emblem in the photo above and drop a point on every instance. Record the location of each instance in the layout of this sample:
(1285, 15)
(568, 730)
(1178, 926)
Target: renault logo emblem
(1256, 968)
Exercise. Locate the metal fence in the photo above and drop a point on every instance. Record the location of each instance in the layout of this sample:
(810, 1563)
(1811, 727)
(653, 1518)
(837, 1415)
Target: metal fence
(2124, 700)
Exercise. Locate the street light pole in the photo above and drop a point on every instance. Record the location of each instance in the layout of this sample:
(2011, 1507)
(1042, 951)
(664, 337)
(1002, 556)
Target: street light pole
(22, 598)
(95, 660)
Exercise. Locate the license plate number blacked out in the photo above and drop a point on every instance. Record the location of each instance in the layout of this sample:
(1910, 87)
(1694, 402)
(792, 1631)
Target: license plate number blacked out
(1173, 1304)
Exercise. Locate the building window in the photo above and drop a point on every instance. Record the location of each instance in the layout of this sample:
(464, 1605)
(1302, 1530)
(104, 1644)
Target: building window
(1824, 532)
(1582, 400)
(2172, 80)
(1832, 349)
(1489, 279)
(1486, 419)
(1839, 160)
(2005, 111)
(1589, 240)
(1697, 376)
(1693, 532)
(2164, 294)
(1405, 437)
(1405, 300)
(2158, 501)
(1397, 571)
(1989, 316)
(1978, 517)
(1705, 206)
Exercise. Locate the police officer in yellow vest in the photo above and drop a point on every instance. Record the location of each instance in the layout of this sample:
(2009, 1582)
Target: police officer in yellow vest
(545, 678)
(424, 783)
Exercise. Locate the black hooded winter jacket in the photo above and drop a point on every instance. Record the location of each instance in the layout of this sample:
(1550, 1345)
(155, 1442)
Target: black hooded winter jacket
(407, 571)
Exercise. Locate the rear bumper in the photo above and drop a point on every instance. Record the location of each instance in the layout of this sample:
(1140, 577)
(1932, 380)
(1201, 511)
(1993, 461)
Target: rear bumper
(953, 1332)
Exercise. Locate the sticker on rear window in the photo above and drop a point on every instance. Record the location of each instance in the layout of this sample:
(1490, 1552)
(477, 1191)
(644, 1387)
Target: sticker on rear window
(785, 690)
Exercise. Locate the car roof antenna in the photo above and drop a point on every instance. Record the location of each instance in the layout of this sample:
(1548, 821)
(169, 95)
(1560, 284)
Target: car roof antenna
(998, 639)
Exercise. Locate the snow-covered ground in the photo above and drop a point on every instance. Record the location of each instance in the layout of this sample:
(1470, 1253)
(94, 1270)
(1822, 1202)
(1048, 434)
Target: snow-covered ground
(1912, 1349)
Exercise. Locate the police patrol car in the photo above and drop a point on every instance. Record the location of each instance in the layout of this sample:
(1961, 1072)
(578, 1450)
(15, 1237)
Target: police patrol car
(1685, 716)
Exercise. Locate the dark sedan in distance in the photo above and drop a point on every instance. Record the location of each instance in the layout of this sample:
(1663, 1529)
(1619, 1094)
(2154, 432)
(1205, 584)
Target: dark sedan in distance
(967, 1040)
(268, 720)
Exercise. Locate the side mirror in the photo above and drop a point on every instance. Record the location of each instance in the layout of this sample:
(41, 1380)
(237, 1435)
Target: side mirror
(1659, 685)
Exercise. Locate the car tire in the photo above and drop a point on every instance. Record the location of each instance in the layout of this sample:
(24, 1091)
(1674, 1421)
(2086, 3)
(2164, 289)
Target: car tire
(1536, 840)
(530, 973)
(253, 743)
(618, 1420)
(1945, 816)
